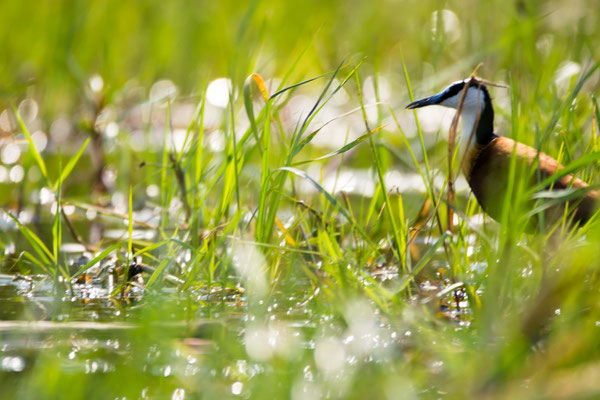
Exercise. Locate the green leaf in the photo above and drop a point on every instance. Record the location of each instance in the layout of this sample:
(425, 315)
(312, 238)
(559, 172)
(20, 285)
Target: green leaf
(343, 149)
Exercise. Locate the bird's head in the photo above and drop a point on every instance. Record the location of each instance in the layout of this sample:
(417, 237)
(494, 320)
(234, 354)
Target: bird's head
(477, 96)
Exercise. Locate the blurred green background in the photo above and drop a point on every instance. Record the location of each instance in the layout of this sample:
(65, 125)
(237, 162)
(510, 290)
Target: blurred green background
(50, 46)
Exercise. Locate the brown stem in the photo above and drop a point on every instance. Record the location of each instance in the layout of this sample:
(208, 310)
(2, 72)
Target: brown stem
(71, 228)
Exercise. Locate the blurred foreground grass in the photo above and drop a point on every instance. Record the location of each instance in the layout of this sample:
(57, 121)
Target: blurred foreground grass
(175, 227)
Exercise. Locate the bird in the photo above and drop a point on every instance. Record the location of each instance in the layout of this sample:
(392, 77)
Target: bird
(487, 161)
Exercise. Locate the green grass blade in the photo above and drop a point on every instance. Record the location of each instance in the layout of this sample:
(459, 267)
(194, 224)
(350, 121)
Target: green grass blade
(40, 248)
(296, 147)
(280, 92)
(576, 165)
(342, 149)
(151, 247)
(313, 111)
(264, 177)
(399, 248)
(556, 197)
(71, 164)
(35, 261)
(57, 226)
(159, 270)
(165, 188)
(96, 259)
(568, 101)
(188, 134)
(199, 154)
(422, 262)
(236, 166)
(331, 200)
(130, 225)
(419, 131)
(293, 67)
(36, 155)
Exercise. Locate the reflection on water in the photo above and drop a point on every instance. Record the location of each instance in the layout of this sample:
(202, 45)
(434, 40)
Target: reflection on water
(172, 336)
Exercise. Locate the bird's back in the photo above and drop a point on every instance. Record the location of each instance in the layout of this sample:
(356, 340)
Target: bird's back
(487, 171)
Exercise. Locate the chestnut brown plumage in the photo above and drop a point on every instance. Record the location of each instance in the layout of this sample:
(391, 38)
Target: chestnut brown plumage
(488, 159)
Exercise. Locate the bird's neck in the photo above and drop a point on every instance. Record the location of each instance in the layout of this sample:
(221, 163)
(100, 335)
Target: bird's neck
(478, 121)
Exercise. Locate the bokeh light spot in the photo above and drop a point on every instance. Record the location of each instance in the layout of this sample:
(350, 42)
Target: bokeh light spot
(16, 174)
(162, 91)
(329, 355)
(96, 83)
(449, 25)
(217, 92)
(10, 153)
(237, 388)
(28, 110)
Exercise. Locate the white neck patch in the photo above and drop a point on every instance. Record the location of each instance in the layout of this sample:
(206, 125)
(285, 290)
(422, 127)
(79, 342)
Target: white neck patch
(472, 106)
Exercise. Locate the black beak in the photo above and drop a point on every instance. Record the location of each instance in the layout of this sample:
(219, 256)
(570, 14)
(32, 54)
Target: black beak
(427, 101)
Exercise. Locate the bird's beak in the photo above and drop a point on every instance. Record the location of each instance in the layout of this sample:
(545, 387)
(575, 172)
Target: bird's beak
(427, 101)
